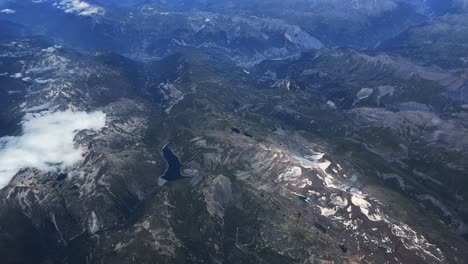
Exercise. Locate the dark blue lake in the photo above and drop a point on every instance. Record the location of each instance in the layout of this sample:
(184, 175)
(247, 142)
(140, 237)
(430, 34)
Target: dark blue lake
(174, 166)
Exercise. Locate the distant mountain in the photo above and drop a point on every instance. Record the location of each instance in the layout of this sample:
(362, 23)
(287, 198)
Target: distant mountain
(439, 42)
(360, 24)
(148, 32)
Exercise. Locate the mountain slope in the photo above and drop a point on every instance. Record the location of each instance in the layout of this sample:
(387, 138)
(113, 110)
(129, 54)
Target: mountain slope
(263, 186)
(233, 132)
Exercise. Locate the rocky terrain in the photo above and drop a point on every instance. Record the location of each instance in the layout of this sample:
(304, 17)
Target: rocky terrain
(233, 132)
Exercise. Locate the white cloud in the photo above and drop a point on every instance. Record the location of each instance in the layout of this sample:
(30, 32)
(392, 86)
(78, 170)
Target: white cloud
(7, 11)
(79, 7)
(46, 143)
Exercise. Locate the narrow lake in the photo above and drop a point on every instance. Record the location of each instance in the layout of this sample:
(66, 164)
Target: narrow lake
(174, 166)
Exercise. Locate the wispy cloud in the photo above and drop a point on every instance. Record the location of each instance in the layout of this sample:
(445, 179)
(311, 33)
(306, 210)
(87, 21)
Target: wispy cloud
(7, 11)
(461, 3)
(46, 143)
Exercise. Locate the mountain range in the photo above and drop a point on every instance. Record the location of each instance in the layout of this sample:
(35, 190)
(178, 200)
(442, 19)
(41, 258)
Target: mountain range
(199, 131)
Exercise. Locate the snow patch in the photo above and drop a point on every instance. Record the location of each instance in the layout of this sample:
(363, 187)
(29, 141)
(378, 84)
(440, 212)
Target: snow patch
(292, 172)
(417, 243)
(339, 201)
(93, 223)
(364, 93)
(17, 75)
(325, 211)
(358, 199)
(171, 95)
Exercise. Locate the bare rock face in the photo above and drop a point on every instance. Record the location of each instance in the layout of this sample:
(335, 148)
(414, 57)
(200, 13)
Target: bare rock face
(218, 196)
